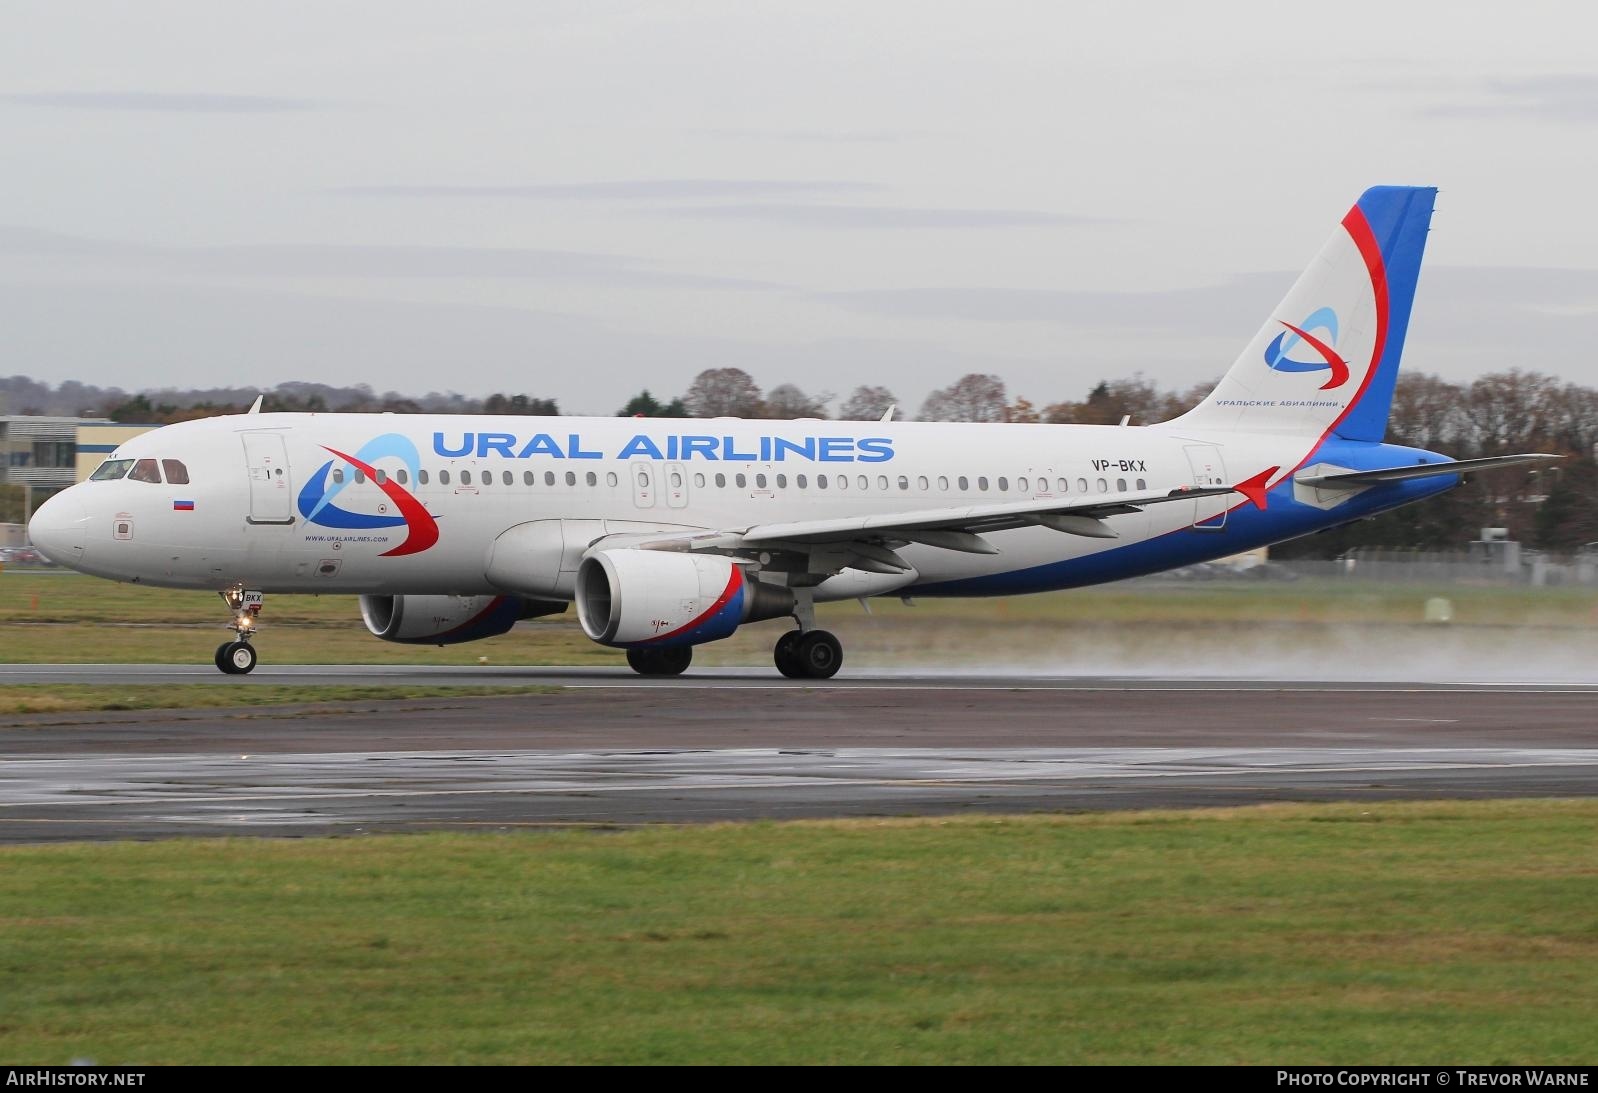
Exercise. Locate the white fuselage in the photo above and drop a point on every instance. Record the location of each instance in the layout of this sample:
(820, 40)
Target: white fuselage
(249, 516)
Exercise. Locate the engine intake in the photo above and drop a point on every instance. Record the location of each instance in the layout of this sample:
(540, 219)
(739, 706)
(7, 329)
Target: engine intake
(660, 598)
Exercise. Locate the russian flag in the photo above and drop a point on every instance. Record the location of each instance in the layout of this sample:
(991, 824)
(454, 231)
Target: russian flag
(183, 506)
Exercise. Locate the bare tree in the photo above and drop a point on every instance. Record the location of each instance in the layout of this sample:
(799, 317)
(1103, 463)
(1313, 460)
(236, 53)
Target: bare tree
(973, 397)
(866, 404)
(787, 401)
(723, 392)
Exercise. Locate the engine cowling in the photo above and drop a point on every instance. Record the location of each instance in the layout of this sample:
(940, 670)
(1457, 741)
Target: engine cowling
(448, 620)
(660, 598)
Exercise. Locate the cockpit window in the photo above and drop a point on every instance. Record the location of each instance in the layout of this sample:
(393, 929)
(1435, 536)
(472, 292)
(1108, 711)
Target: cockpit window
(145, 470)
(110, 470)
(176, 473)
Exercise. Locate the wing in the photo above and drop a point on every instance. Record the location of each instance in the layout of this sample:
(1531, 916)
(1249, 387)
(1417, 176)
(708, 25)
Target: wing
(869, 542)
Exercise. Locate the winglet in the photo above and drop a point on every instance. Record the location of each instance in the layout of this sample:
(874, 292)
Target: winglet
(1254, 488)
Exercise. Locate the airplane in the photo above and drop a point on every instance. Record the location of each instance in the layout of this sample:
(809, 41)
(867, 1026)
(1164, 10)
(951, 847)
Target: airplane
(670, 533)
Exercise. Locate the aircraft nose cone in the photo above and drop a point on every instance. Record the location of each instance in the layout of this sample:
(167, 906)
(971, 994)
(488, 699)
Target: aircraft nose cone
(57, 528)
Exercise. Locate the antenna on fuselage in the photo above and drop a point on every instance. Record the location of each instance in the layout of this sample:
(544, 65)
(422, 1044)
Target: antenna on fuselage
(255, 407)
(887, 415)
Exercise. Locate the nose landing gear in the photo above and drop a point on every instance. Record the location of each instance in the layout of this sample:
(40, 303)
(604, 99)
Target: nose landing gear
(237, 657)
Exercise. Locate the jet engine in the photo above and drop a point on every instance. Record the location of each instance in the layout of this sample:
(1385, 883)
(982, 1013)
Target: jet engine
(448, 620)
(661, 598)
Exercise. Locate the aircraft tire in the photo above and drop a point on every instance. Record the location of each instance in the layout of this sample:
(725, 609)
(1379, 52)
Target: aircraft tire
(819, 655)
(670, 661)
(236, 658)
(786, 658)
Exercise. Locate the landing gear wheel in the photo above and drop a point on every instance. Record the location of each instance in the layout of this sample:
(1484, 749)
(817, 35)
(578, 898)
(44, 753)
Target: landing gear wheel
(785, 657)
(236, 658)
(818, 654)
(670, 661)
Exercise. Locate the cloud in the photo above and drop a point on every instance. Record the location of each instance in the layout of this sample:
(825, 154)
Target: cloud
(1561, 98)
(669, 189)
(874, 216)
(147, 333)
(339, 261)
(161, 101)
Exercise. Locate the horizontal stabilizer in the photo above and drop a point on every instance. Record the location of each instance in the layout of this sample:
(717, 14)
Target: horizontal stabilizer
(1353, 480)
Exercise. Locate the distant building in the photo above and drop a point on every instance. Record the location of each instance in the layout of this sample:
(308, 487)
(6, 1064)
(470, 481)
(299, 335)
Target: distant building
(46, 454)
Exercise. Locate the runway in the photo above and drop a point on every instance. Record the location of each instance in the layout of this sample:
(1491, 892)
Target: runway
(604, 747)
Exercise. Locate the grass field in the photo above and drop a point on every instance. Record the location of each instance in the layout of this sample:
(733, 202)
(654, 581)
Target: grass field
(1427, 933)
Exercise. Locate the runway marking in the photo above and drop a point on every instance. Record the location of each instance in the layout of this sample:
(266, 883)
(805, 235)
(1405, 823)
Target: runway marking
(313, 795)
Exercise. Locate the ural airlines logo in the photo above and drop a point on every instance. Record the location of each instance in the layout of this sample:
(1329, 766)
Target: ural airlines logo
(401, 507)
(1279, 354)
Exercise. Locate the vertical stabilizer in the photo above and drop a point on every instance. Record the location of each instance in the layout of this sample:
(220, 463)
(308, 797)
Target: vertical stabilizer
(1326, 360)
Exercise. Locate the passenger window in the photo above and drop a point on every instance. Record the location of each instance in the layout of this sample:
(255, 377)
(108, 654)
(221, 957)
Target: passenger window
(800, 481)
(921, 483)
(338, 474)
(843, 481)
(742, 481)
(571, 478)
(380, 477)
(360, 477)
(1021, 483)
(508, 478)
(821, 481)
(1142, 485)
(145, 470)
(529, 478)
(1081, 485)
(882, 481)
(699, 479)
(1004, 484)
(965, 484)
(401, 477)
(1104, 487)
(549, 478)
(864, 482)
(943, 483)
(421, 478)
(643, 478)
(904, 483)
(782, 481)
(111, 470)
(176, 473)
(591, 478)
(443, 478)
(1120, 485)
(1065, 487)
(721, 481)
(676, 480)
(982, 483)
(610, 478)
(466, 478)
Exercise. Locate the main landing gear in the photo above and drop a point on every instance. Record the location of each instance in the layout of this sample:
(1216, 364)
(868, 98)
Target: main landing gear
(237, 657)
(670, 660)
(808, 654)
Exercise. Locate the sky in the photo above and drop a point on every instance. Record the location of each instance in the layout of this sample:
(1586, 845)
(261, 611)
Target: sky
(579, 200)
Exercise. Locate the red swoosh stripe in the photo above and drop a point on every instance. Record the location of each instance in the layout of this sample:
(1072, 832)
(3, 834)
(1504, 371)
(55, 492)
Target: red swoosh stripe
(419, 522)
(1338, 365)
(735, 581)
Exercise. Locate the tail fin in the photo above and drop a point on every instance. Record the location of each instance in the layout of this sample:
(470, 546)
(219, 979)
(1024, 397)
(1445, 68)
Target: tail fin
(1327, 359)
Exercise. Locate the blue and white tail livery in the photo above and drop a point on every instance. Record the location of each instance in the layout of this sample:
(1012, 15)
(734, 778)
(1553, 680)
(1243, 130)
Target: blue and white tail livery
(666, 534)
(1326, 360)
